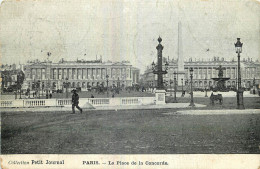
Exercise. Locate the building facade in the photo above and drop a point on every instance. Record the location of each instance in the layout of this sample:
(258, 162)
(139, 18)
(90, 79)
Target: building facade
(203, 71)
(80, 73)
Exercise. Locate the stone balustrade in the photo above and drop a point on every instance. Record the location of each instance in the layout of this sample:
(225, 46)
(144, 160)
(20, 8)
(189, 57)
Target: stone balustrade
(95, 102)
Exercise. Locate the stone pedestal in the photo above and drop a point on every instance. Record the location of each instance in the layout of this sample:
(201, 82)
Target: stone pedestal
(160, 96)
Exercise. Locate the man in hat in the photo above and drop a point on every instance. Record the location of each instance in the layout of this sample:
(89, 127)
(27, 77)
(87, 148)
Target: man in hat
(75, 101)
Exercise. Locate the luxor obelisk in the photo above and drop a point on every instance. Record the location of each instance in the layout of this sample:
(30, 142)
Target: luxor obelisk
(181, 72)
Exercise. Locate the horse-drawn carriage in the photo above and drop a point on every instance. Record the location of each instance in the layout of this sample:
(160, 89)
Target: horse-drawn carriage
(217, 97)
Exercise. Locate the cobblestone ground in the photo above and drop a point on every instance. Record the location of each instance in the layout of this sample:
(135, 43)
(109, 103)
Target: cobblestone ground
(129, 131)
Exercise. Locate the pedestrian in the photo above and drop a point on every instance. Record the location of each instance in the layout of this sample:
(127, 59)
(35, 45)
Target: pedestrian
(183, 93)
(75, 102)
(50, 95)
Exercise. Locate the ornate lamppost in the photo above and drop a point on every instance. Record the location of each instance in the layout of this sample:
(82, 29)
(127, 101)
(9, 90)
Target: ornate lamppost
(16, 90)
(254, 85)
(171, 87)
(38, 88)
(19, 83)
(175, 88)
(48, 80)
(191, 92)
(206, 93)
(66, 86)
(182, 93)
(240, 103)
(107, 84)
(157, 69)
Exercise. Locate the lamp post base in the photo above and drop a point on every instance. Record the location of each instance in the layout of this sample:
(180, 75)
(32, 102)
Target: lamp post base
(175, 99)
(192, 104)
(240, 102)
(160, 96)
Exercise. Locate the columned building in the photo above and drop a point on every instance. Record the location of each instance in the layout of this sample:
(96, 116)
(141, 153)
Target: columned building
(80, 73)
(205, 70)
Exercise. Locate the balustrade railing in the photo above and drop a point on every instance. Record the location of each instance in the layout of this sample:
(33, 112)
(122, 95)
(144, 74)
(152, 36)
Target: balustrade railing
(6, 103)
(35, 103)
(99, 101)
(130, 101)
(67, 102)
(63, 102)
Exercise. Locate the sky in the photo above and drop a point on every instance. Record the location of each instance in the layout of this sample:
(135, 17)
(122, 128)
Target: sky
(127, 29)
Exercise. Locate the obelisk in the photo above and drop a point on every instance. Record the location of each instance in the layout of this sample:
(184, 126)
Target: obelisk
(181, 72)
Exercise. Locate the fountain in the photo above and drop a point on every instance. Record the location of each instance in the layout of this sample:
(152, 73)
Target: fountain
(220, 80)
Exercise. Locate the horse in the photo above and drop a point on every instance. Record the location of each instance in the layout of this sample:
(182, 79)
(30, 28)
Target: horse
(216, 98)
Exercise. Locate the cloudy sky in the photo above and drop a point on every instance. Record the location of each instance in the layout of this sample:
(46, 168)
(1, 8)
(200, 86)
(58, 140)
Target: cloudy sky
(126, 29)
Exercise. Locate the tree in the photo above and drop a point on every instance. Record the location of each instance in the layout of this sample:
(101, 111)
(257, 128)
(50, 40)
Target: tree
(20, 79)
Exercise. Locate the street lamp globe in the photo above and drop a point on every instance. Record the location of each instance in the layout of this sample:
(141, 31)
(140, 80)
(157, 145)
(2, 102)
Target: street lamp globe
(238, 46)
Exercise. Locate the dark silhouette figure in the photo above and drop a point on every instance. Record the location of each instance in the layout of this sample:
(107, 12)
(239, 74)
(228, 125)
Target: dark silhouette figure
(50, 95)
(75, 102)
(92, 96)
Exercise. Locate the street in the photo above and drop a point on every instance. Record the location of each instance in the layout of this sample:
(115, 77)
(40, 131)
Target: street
(165, 131)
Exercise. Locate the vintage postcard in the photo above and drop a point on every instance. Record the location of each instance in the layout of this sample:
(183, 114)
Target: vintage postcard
(130, 84)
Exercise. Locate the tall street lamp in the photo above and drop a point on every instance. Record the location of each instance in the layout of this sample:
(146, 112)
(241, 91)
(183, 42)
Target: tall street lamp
(191, 92)
(171, 87)
(254, 85)
(182, 93)
(42, 89)
(107, 84)
(206, 93)
(67, 85)
(157, 69)
(16, 90)
(240, 103)
(48, 80)
(175, 88)
(19, 79)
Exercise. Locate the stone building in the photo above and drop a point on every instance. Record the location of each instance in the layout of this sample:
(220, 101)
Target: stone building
(205, 70)
(79, 73)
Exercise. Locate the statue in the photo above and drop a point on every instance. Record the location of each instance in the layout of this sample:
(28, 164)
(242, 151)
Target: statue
(220, 71)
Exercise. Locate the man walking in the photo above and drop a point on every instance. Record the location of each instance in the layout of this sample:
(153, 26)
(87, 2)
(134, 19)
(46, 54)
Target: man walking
(75, 102)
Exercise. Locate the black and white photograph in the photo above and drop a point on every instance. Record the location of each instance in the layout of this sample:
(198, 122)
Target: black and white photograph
(129, 77)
